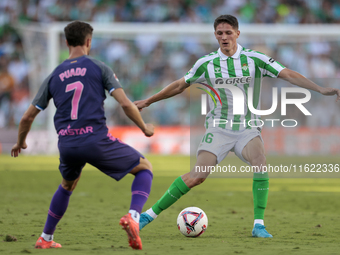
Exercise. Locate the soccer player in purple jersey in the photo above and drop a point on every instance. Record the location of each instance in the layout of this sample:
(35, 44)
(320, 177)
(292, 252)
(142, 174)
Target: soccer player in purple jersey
(77, 87)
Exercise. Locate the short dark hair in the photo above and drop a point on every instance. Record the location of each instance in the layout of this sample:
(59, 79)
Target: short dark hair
(76, 33)
(229, 19)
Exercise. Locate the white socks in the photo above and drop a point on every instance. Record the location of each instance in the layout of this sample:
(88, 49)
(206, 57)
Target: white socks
(151, 213)
(259, 222)
(135, 215)
(47, 237)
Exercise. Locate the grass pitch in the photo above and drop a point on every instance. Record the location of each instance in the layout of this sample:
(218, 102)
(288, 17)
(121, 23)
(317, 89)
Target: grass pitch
(302, 214)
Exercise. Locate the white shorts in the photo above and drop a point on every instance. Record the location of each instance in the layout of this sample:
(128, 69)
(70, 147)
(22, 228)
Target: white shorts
(220, 141)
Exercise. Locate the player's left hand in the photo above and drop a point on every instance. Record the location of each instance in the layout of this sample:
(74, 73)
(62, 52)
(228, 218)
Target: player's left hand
(141, 104)
(16, 149)
(331, 92)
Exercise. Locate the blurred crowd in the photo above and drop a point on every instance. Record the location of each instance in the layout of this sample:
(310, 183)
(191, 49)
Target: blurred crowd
(145, 65)
(247, 11)
(14, 70)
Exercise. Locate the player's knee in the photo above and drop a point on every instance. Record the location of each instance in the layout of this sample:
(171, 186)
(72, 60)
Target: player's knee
(259, 160)
(68, 186)
(196, 182)
(147, 165)
(144, 164)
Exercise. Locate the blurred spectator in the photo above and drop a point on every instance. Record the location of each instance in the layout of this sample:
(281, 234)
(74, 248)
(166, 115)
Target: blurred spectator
(18, 69)
(116, 50)
(6, 89)
(103, 14)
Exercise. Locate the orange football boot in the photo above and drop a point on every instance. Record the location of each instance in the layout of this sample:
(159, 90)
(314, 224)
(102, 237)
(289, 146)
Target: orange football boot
(132, 229)
(42, 244)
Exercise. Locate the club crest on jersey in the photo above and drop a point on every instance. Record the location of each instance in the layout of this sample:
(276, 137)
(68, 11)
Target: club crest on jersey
(217, 69)
(115, 76)
(245, 67)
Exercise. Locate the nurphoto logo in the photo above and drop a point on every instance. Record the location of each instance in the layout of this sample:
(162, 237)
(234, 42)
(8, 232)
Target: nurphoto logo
(241, 105)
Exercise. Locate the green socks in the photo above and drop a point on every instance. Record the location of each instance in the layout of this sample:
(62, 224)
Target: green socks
(177, 189)
(260, 194)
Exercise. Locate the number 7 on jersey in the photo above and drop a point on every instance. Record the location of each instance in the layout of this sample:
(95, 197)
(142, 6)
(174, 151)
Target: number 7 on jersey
(78, 90)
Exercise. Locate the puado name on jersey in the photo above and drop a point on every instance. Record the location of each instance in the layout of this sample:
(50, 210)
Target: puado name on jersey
(72, 72)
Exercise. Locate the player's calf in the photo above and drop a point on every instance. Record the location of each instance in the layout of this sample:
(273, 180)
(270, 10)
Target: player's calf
(176, 190)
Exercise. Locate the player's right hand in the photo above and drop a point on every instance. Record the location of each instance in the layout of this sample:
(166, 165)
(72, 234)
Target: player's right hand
(331, 92)
(149, 130)
(16, 149)
(141, 104)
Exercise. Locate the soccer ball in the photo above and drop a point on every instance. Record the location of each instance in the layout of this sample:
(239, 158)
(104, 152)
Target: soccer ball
(192, 222)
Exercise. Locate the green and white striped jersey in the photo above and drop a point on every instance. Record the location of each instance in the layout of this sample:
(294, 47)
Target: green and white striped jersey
(243, 63)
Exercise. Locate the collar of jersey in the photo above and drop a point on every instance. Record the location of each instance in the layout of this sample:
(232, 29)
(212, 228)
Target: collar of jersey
(236, 55)
(72, 59)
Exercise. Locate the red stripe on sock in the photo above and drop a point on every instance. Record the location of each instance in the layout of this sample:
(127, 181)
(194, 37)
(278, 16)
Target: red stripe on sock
(142, 193)
(54, 215)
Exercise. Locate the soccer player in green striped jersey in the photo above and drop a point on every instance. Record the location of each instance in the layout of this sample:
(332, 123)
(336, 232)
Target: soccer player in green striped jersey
(230, 60)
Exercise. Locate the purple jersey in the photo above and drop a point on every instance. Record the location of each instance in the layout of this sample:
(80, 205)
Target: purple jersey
(77, 87)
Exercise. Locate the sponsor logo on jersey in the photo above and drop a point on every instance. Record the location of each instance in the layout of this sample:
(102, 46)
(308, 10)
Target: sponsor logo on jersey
(234, 80)
(271, 60)
(75, 131)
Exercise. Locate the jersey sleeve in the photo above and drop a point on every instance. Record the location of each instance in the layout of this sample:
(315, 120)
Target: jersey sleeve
(272, 68)
(43, 96)
(196, 73)
(110, 80)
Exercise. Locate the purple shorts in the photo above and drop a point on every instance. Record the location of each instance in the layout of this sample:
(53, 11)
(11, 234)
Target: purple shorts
(110, 156)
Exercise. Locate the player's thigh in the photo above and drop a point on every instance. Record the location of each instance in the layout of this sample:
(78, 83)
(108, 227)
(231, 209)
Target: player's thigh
(115, 158)
(72, 161)
(254, 152)
(249, 144)
(218, 142)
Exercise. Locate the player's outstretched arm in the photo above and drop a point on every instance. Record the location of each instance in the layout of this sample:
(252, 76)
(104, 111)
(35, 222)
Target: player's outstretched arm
(171, 90)
(132, 111)
(301, 81)
(24, 127)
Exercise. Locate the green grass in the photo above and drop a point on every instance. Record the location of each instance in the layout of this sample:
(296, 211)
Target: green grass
(296, 208)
